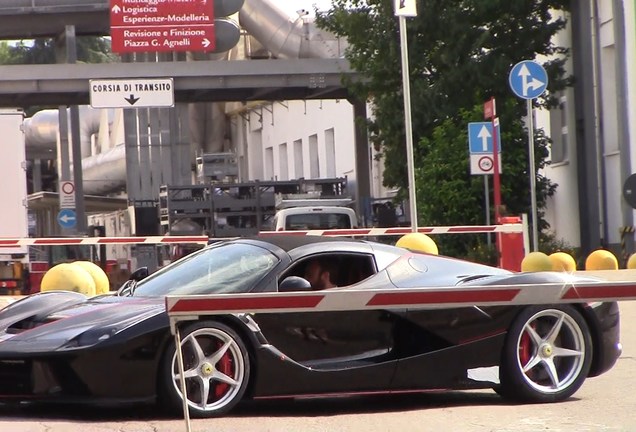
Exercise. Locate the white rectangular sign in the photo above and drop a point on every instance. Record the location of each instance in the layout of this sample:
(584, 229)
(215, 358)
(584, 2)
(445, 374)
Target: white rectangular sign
(132, 93)
(482, 163)
(405, 8)
(67, 194)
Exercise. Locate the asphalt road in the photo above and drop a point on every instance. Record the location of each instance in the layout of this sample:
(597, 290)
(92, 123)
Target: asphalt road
(606, 403)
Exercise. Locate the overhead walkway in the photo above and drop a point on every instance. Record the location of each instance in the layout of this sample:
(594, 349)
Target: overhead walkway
(197, 81)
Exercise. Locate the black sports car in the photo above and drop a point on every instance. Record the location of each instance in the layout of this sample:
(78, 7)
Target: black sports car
(64, 347)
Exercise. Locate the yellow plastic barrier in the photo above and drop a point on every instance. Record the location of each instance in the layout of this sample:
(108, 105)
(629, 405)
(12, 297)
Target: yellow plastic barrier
(418, 242)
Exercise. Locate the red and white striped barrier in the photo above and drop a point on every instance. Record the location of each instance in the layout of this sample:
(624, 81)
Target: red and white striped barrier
(12, 242)
(467, 229)
(190, 307)
(356, 232)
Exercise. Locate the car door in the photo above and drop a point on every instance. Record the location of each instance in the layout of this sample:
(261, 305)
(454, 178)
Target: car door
(359, 343)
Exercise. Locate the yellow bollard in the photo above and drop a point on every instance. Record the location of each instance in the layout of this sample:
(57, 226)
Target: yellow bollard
(536, 261)
(562, 261)
(68, 277)
(102, 284)
(418, 242)
(601, 259)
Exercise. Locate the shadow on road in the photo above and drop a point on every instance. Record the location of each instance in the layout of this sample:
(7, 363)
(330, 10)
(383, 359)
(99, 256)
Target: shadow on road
(299, 407)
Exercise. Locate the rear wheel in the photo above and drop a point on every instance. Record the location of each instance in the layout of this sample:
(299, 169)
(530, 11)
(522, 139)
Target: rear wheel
(547, 355)
(216, 366)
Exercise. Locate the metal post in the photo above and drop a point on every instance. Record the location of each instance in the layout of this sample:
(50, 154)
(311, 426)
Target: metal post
(408, 124)
(487, 195)
(533, 177)
(77, 170)
(184, 395)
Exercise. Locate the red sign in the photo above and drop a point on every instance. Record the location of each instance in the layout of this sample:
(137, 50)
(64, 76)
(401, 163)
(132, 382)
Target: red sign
(158, 26)
(489, 109)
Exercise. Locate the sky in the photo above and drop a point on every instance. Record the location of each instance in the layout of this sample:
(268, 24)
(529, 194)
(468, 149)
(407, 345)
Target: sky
(291, 6)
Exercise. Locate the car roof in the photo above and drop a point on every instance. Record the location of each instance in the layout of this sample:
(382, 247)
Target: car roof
(290, 242)
(311, 209)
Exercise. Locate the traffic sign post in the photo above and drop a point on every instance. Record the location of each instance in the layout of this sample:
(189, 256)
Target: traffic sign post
(403, 9)
(528, 80)
(132, 93)
(162, 26)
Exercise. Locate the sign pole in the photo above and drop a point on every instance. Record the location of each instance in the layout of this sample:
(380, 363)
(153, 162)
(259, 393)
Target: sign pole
(533, 177)
(407, 123)
(528, 80)
(487, 195)
(495, 176)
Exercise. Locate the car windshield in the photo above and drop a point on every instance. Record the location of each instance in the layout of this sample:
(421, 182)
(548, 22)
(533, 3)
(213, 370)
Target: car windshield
(227, 268)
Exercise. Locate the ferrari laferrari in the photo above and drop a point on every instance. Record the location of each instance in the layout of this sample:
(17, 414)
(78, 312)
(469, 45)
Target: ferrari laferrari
(64, 347)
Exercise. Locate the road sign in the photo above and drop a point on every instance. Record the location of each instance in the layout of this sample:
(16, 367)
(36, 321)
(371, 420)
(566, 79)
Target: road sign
(132, 93)
(405, 8)
(67, 218)
(158, 26)
(480, 139)
(67, 194)
(528, 79)
(481, 163)
(490, 109)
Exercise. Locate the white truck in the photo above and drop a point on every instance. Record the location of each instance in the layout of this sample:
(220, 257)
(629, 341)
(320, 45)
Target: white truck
(13, 190)
(314, 214)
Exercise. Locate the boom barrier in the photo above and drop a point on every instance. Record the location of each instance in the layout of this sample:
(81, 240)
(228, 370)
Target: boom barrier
(356, 232)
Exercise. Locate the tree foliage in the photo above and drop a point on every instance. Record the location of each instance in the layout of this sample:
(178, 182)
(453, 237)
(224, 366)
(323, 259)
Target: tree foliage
(90, 49)
(460, 54)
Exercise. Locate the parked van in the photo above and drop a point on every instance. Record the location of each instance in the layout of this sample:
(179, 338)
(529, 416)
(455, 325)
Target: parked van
(314, 218)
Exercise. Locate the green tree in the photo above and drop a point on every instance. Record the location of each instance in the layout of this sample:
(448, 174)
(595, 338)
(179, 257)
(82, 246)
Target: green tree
(90, 49)
(460, 54)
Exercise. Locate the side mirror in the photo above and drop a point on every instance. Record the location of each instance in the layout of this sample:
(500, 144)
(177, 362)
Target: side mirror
(139, 274)
(294, 283)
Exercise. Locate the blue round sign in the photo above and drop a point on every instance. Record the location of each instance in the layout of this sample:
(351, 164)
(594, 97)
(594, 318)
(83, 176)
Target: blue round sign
(67, 218)
(528, 79)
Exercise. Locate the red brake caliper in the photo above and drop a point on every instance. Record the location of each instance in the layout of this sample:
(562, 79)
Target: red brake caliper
(525, 348)
(225, 367)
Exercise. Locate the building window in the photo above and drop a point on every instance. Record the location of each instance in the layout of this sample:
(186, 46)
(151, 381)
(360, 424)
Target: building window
(283, 162)
(330, 152)
(559, 132)
(314, 163)
(269, 163)
(298, 159)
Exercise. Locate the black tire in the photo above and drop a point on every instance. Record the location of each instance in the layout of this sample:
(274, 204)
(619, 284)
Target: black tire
(543, 361)
(222, 361)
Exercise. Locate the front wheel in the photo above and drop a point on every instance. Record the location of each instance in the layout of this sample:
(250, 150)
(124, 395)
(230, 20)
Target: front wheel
(547, 355)
(216, 366)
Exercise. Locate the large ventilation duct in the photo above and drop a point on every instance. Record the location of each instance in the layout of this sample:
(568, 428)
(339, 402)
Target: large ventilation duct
(284, 37)
(42, 129)
(105, 172)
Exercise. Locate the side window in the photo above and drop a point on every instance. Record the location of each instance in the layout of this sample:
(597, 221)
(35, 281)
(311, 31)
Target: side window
(345, 269)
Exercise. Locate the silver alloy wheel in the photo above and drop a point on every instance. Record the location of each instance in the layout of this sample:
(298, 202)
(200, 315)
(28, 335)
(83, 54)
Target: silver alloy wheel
(214, 369)
(551, 351)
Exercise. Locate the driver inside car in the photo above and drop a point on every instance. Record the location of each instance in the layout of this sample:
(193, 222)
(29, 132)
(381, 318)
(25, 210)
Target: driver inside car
(321, 273)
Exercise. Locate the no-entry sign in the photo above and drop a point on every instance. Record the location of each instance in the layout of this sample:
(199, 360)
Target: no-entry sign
(158, 26)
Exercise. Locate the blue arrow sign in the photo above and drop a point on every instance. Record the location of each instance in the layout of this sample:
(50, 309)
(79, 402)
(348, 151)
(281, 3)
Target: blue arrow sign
(528, 79)
(67, 218)
(480, 139)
